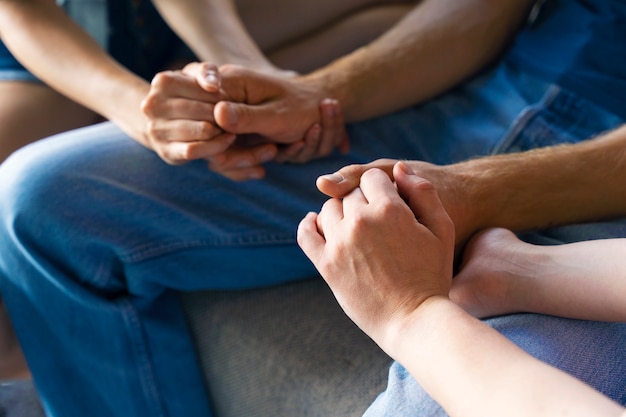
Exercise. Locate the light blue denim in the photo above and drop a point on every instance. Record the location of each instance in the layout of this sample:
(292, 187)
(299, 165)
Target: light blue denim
(594, 352)
(98, 234)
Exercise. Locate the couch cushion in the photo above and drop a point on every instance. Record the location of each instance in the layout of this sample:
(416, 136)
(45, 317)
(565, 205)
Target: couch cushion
(284, 351)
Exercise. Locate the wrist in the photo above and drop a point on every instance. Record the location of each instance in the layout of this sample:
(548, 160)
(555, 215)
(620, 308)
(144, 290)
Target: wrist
(129, 116)
(419, 322)
(326, 83)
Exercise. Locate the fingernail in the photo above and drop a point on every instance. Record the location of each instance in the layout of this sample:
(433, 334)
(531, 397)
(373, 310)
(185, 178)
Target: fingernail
(211, 77)
(405, 168)
(330, 106)
(336, 178)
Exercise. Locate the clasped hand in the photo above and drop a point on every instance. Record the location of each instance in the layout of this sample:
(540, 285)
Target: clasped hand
(238, 119)
(383, 249)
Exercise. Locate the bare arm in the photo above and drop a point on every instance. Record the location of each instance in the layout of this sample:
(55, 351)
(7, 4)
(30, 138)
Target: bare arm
(436, 46)
(501, 274)
(449, 352)
(387, 256)
(535, 189)
(65, 57)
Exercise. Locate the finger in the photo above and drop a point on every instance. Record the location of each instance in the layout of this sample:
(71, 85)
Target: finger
(179, 108)
(290, 152)
(378, 188)
(242, 118)
(422, 198)
(178, 84)
(330, 216)
(239, 158)
(205, 74)
(354, 203)
(347, 178)
(177, 153)
(180, 130)
(246, 85)
(310, 147)
(332, 126)
(310, 240)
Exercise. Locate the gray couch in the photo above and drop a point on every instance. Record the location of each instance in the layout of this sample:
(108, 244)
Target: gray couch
(286, 351)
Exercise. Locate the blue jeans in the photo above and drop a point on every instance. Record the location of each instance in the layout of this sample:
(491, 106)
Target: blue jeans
(591, 351)
(98, 235)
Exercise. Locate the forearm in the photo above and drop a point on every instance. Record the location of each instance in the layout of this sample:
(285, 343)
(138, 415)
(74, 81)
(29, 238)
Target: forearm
(213, 30)
(472, 370)
(583, 280)
(546, 187)
(61, 54)
(436, 46)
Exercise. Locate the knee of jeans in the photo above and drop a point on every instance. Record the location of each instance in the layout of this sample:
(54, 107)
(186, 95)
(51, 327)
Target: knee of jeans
(33, 182)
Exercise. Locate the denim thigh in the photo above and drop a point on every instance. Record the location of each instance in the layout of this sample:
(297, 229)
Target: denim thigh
(98, 234)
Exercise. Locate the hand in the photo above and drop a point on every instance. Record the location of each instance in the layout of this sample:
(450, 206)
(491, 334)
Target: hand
(321, 138)
(453, 183)
(179, 108)
(383, 251)
(244, 160)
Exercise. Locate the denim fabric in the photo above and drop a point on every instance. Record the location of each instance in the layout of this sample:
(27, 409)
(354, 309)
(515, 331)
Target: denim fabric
(591, 351)
(98, 234)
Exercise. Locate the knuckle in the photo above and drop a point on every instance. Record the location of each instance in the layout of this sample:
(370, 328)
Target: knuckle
(205, 130)
(162, 80)
(149, 105)
(154, 132)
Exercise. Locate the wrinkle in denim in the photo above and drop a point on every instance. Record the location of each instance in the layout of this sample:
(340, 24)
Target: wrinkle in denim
(99, 233)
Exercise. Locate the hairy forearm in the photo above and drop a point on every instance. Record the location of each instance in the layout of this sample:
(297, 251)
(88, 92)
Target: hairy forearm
(60, 53)
(437, 45)
(472, 370)
(213, 30)
(549, 186)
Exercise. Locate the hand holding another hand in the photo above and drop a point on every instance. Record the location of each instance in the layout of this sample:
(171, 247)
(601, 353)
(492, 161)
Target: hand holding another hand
(238, 119)
(179, 109)
(382, 250)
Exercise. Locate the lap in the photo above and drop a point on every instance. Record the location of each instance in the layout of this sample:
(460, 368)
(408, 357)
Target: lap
(590, 351)
(189, 215)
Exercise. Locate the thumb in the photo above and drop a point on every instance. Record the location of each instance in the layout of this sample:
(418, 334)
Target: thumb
(240, 118)
(421, 196)
(206, 74)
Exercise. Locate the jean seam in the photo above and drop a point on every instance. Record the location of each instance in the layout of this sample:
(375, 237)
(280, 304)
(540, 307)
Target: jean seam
(149, 251)
(146, 374)
(525, 117)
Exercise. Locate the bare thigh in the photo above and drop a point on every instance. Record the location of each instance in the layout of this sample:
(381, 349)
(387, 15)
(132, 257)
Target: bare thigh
(30, 111)
(273, 23)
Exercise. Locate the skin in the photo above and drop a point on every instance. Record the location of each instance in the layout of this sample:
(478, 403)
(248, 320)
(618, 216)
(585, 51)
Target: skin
(559, 185)
(501, 274)
(386, 252)
(59, 52)
(402, 67)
